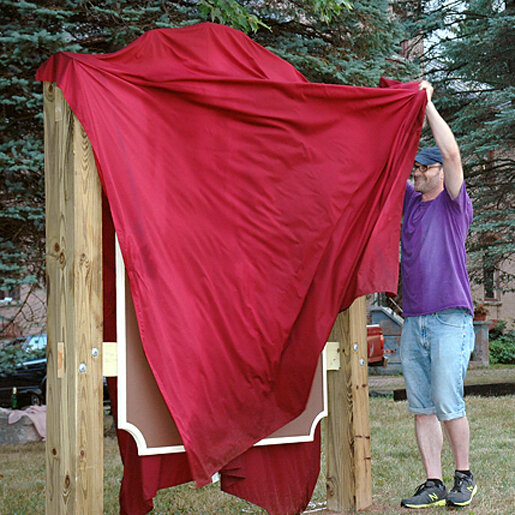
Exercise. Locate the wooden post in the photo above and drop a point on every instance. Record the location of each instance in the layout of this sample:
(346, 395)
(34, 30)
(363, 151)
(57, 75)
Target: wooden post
(349, 471)
(74, 448)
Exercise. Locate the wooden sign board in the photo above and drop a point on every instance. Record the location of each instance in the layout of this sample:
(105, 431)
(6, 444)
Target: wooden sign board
(141, 408)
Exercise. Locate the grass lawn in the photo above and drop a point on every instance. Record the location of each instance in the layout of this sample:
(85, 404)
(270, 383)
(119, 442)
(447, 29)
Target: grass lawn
(396, 468)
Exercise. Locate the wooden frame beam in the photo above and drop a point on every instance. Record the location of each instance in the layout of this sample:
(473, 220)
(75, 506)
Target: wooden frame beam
(349, 470)
(74, 448)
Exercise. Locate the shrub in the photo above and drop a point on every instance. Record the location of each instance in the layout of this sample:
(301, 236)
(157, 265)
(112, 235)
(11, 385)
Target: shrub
(502, 345)
(11, 357)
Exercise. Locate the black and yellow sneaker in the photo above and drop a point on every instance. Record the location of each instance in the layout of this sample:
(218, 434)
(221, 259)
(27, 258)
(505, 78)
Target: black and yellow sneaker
(430, 493)
(463, 490)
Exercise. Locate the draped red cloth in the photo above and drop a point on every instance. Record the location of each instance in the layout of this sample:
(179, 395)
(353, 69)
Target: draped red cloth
(251, 206)
(280, 478)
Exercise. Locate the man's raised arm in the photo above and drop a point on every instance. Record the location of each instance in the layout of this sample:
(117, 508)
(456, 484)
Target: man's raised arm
(452, 169)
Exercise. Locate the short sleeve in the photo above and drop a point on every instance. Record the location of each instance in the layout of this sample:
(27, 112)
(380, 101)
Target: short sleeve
(461, 203)
(409, 193)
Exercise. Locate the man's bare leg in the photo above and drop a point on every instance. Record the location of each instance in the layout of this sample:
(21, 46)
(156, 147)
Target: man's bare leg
(458, 434)
(430, 442)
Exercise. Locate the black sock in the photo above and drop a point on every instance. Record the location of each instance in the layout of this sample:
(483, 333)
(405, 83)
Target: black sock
(466, 472)
(437, 482)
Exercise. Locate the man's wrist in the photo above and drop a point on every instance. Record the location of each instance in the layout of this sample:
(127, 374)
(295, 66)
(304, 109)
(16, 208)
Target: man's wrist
(430, 109)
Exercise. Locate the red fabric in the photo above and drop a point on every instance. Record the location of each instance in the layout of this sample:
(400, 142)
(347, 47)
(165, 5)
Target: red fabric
(251, 206)
(280, 478)
(143, 476)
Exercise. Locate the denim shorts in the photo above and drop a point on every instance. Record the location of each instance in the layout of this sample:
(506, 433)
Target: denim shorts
(435, 352)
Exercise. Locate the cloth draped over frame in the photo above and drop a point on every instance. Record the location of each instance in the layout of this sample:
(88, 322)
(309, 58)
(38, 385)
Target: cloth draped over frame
(251, 206)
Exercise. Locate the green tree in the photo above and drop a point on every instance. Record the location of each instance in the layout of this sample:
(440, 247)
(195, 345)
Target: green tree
(335, 41)
(469, 56)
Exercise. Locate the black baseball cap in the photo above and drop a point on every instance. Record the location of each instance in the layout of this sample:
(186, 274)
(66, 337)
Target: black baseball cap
(429, 156)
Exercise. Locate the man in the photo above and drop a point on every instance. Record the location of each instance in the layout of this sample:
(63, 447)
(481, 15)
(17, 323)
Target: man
(438, 336)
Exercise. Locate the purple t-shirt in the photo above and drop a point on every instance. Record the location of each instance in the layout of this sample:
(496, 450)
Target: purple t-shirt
(433, 257)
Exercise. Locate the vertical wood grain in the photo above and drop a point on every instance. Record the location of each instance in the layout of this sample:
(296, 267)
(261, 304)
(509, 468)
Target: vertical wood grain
(74, 455)
(349, 472)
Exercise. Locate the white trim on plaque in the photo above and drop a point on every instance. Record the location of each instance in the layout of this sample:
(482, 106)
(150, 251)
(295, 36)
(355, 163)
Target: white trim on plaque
(123, 423)
(121, 336)
(316, 420)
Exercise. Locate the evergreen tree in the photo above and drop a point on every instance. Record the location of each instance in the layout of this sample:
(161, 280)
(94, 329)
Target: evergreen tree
(324, 39)
(470, 59)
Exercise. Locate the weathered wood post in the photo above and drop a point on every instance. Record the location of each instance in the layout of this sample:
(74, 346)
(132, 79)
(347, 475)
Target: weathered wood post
(74, 448)
(349, 471)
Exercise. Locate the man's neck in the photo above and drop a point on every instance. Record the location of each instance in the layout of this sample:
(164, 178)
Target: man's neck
(431, 195)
